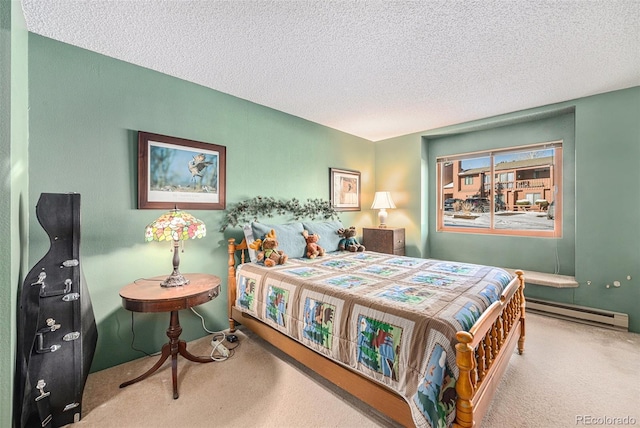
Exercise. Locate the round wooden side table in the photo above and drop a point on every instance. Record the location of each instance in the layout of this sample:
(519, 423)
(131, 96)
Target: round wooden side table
(146, 295)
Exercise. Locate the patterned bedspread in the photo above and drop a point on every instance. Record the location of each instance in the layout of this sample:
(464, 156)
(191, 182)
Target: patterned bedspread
(390, 318)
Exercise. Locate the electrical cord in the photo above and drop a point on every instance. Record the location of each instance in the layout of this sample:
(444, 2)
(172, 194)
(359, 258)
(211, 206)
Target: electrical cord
(219, 351)
(202, 320)
(133, 333)
(133, 338)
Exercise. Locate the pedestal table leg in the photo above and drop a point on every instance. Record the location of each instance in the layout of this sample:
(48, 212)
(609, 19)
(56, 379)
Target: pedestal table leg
(173, 348)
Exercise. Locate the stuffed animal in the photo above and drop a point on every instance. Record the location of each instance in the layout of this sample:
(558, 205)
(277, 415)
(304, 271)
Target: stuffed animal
(349, 241)
(268, 250)
(313, 249)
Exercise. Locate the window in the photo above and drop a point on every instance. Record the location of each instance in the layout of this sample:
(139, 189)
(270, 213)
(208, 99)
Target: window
(518, 191)
(505, 179)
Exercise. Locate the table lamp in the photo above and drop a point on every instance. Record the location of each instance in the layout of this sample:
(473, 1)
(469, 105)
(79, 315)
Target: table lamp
(382, 201)
(176, 226)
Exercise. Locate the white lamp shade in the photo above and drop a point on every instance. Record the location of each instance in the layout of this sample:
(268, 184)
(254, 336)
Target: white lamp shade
(382, 200)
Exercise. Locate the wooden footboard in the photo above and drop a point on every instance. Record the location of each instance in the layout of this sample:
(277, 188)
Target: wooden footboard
(482, 353)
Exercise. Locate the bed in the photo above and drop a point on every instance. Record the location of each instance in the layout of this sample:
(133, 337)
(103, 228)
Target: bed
(423, 341)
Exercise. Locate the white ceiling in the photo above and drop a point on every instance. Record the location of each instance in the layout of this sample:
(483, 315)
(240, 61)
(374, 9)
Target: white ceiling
(375, 68)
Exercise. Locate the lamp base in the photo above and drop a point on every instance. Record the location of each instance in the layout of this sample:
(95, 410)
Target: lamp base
(382, 218)
(176, 279)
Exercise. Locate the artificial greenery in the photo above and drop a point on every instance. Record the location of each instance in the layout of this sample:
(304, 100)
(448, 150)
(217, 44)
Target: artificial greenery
(264, 207)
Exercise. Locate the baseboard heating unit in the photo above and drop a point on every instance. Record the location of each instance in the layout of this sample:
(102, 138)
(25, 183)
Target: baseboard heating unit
(592, 316)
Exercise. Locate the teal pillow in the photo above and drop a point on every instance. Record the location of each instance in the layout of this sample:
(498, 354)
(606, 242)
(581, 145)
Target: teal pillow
(290, 239)
(328, 231)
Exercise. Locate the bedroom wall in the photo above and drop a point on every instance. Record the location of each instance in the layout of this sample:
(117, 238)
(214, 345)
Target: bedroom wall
(538, 254)
(400, 172)
(14, 184)
(604, 223)
(86, 109)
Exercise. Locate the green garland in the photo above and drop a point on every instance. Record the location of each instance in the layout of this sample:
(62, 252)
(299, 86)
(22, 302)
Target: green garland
(260, 207)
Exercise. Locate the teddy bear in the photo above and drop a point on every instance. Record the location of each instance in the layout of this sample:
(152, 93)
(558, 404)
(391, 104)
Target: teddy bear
(349, 241)
(313, 249)
(268, 250)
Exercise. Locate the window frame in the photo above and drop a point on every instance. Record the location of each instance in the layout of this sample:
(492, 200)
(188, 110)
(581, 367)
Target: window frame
(557, 145)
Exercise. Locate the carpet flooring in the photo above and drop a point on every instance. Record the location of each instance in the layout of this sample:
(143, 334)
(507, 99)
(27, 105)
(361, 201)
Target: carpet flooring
(571, 374)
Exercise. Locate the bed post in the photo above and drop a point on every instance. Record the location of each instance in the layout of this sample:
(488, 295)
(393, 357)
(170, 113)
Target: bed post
(231, 281)
(522, 311)
(464, 387)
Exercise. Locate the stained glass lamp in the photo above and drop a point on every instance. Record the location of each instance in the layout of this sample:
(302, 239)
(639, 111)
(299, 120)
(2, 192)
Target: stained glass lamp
(176, 226)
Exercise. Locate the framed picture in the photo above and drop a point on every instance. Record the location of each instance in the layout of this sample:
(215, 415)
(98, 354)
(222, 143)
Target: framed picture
(177, 172)
(344, 186)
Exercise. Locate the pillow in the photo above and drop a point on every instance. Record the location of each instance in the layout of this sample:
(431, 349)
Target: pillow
(329, 238)
(289, 236)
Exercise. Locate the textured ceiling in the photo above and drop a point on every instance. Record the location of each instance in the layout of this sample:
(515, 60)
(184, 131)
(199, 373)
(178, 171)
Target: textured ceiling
(376, 69)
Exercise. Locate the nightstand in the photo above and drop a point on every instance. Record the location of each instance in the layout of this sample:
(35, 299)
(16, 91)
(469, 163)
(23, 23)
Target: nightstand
(388, 240)
(146, 295)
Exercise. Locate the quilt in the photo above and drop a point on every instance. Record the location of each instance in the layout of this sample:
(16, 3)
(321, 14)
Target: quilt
(391, 318)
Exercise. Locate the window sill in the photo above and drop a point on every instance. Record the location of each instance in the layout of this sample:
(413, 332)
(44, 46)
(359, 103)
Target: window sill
(547, 279)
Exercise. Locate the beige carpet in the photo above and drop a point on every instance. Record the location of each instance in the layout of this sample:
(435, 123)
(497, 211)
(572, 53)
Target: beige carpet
(569, 373)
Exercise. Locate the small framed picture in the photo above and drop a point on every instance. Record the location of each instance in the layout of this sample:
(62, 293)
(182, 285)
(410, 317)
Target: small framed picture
(174, 172)
(344, 186)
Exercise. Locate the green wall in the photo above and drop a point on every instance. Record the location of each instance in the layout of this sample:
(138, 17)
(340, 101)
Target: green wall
(601, 239)
(7, 346)
(14, 181)
(399, 170)
(85, 111)
(607, 203)
(538, 254)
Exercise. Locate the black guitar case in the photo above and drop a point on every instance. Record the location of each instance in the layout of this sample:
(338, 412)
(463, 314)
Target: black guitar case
(57, 332)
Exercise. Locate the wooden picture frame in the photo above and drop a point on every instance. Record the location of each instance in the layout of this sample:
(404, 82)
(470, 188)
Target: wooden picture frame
(344, 186)
(175, 172)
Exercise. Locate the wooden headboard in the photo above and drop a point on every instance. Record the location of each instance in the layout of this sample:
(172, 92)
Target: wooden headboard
(232, 247)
